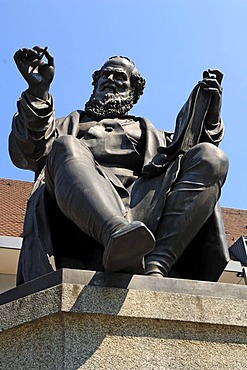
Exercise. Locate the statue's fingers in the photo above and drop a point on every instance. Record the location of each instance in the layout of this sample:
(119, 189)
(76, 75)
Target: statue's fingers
(23, 68)
(50, 58)
(205, 74)
(35, 63)
(219, 75)
(30, 53)
(21, 65)
(213, 91)
(38, 49)
(45, 52)
(213, 83)
(17, 56)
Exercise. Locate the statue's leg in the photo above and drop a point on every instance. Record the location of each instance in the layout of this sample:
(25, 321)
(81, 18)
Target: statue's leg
(189, 204)
(91, 202)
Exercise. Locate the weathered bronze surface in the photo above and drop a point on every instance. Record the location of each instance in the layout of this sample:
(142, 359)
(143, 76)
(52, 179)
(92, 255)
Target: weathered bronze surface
(113, 193)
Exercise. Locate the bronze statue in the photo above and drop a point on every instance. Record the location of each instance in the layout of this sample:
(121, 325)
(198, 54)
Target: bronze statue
(113, 193)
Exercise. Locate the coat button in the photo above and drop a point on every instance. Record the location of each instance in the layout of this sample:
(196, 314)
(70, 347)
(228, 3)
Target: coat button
(108, 129)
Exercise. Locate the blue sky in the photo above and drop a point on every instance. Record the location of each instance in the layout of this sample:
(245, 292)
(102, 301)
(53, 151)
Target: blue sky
(171, 42)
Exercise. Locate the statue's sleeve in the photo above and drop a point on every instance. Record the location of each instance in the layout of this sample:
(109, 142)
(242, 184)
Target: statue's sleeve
(192, 126)
(213, 132)
(33, 132)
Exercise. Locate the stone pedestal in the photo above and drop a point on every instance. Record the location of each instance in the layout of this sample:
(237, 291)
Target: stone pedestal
(74, 319)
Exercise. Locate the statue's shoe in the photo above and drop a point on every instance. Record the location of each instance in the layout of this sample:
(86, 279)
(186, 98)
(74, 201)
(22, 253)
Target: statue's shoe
(127, 247)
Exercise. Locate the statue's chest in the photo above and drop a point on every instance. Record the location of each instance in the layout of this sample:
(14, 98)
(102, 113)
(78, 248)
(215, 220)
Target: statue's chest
(111, 139)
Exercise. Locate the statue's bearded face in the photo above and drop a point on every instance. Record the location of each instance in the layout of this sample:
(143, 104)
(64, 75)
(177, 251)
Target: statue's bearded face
(113, 93)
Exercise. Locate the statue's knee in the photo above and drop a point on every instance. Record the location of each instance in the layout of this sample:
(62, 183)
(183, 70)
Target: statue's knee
(223, 164)
(215, 162)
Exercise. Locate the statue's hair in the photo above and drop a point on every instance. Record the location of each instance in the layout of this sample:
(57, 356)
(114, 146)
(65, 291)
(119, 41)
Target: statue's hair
(137, 81)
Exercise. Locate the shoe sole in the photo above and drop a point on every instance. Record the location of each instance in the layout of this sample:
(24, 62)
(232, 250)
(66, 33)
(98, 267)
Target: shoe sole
(127, 247)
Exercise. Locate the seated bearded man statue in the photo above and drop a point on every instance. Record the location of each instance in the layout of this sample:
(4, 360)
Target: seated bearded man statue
(113, 193)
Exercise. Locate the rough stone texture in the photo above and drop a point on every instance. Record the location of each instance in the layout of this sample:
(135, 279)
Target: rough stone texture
(83, 326)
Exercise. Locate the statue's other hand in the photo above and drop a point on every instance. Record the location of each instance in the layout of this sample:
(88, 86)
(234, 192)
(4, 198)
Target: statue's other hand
(216, 74)
(35, 71)
(212, 79)
(211, 83)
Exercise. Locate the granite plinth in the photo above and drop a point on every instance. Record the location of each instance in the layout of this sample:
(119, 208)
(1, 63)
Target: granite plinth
(74, 319)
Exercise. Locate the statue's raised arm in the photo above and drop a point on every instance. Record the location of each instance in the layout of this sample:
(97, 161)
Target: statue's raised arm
(35, 71)
(33, 126)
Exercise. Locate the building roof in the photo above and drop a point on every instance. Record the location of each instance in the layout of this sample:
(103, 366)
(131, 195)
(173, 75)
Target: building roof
(13, 199)
(235, 221)
(14, 195)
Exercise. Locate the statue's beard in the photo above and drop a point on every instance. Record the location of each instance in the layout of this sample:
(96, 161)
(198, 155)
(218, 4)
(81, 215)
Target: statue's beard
(111, 105)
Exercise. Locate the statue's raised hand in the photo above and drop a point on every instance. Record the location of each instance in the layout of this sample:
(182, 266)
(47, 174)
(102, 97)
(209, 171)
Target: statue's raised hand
(36, 72)
(211, 82)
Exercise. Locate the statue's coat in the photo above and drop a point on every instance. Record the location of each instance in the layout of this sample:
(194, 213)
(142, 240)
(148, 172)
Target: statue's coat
(147, 200)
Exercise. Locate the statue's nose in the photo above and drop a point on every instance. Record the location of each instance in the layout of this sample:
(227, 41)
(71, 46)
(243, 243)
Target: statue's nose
(110, 77)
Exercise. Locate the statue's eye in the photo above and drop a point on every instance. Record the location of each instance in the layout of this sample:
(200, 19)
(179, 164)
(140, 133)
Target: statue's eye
(104, 74)
(121, 76)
